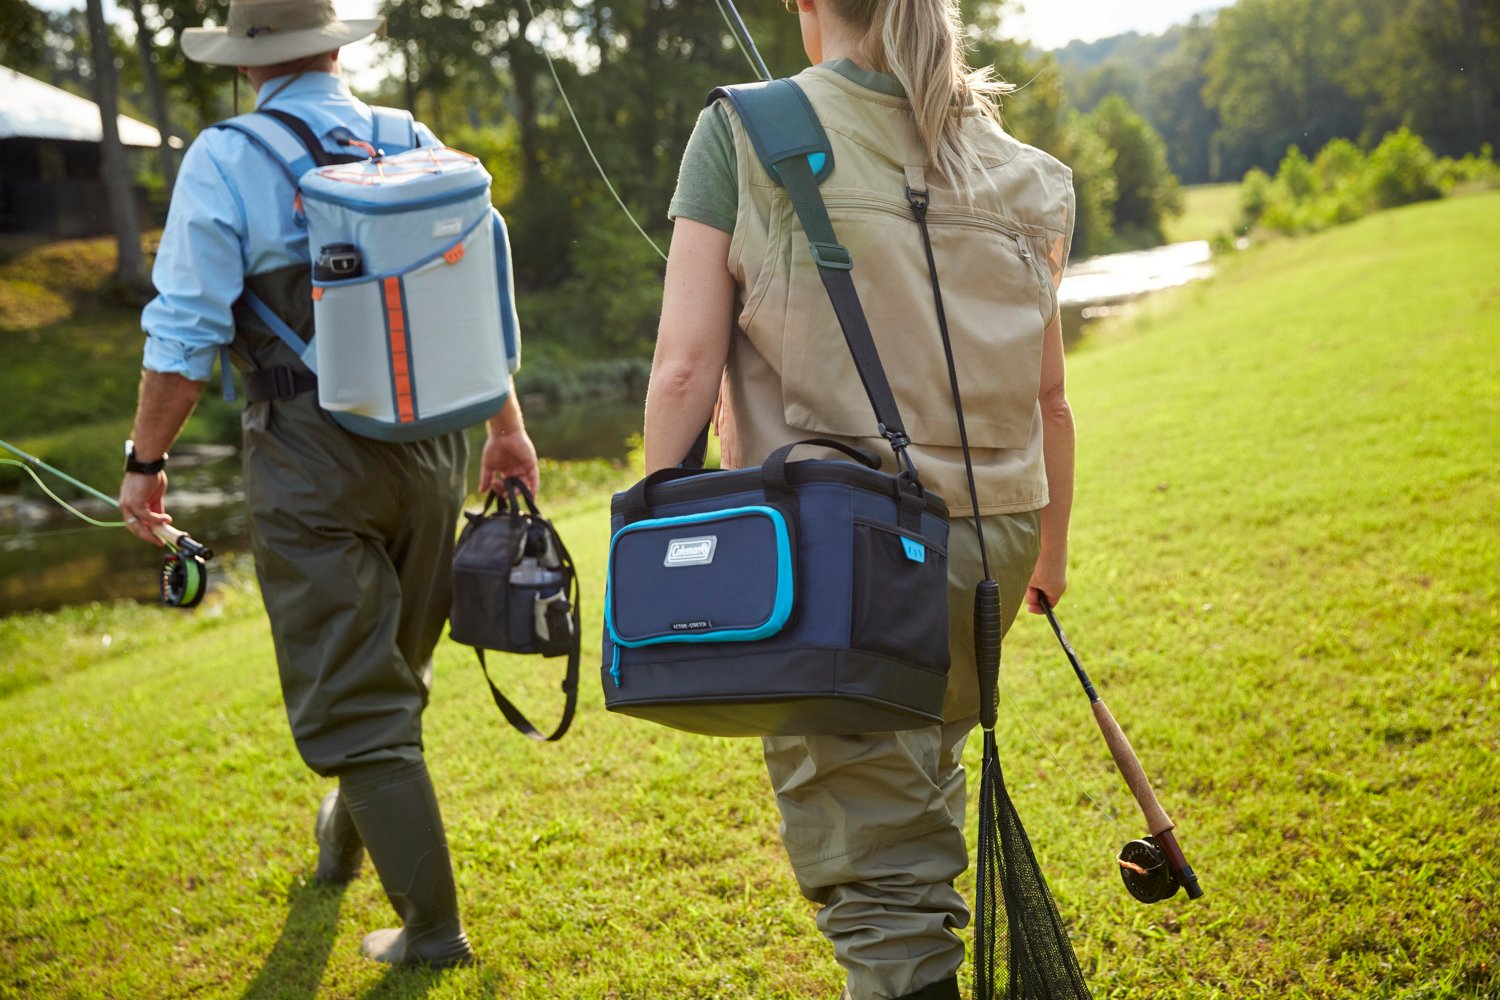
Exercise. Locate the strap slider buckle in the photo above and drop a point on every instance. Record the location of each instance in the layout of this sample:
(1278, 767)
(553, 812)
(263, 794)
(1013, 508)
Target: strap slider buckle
(896, 438)
(832, 256)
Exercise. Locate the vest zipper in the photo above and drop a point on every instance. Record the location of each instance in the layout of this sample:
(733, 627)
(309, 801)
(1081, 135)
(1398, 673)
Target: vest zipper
(1043, 282)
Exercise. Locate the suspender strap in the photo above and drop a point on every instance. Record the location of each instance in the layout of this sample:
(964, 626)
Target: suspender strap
(271, 132)
(277, 382)
(320, 156)
(793, 147)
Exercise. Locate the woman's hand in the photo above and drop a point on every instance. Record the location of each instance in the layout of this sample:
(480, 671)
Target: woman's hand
(1049, 579)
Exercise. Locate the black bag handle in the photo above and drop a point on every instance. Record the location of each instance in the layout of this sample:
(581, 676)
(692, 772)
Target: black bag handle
(513, 715)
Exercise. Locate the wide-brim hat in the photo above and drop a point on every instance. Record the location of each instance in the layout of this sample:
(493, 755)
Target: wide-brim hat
(267, 32)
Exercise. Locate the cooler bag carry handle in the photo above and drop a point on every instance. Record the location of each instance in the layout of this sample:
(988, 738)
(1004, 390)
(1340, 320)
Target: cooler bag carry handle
(775, 463)
(634, 504)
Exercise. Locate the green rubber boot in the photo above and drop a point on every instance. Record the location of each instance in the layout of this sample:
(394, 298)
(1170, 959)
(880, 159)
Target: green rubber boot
(339, 848)
(396, 812)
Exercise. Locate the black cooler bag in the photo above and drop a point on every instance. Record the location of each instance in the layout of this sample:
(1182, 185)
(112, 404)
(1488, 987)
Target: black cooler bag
(789, 599)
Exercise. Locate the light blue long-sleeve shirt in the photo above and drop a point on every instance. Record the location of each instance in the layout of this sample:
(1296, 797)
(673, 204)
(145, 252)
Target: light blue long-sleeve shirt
(231, 216)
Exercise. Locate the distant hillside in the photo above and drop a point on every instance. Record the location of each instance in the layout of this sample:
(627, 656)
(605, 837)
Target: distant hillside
(1131, 49)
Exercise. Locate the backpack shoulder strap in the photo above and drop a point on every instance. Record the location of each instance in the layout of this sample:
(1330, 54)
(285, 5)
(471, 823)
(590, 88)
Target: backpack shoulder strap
(395, 131)
(297, 151)
(791, 144)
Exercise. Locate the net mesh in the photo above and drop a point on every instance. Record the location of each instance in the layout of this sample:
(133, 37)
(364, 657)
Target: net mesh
(1013, 901)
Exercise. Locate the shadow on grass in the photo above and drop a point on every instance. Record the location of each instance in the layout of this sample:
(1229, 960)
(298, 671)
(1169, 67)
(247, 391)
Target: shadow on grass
(295, 966)
(402, 983)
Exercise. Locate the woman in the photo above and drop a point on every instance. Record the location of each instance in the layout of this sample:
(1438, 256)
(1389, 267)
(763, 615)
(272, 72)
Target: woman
(873, 824)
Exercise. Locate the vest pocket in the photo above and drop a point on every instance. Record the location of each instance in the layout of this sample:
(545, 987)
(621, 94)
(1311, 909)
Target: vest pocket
(997, 302)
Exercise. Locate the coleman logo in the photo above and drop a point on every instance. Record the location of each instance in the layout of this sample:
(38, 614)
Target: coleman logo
(447, 227)
(691, 551)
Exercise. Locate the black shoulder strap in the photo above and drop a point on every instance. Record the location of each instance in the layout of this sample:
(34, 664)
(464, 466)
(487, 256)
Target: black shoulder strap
(791, 144)
(300, 129)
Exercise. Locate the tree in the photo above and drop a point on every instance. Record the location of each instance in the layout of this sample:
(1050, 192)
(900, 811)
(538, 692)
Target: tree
(131, 272)
(1177, 109)
(23, 28)
(155, 95)
(1146, 191)
(1273, 77)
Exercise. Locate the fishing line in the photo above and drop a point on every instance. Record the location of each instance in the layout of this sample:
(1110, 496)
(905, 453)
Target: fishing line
(60, 501)
(184, 570)
(1047, 749)
(597, 165)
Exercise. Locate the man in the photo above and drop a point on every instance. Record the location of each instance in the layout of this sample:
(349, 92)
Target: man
(352, 537)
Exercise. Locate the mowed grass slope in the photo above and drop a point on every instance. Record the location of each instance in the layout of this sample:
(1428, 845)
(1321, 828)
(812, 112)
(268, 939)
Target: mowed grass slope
(1284, 584)
(1208, 210)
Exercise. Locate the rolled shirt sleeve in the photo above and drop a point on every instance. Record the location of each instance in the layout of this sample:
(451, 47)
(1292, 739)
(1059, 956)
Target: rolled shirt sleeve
(200, 268)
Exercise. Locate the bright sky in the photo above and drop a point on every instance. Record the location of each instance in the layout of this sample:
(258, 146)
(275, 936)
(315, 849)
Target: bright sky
(1051, 24)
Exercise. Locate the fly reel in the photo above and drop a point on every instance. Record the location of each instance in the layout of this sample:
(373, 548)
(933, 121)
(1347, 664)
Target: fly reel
(184, 573)
(1143, 866)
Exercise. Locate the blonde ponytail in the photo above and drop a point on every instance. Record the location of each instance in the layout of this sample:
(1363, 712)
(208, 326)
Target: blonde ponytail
(920, 43)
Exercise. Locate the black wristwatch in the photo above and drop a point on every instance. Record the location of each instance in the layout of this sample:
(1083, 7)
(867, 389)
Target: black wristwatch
(133, 464)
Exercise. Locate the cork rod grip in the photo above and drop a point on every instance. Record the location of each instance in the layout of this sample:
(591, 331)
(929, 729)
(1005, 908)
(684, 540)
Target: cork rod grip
(168, 534)
(1157, 820)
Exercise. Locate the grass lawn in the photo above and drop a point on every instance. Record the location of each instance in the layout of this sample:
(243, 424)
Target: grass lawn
(1284, 584)
(1208, 210)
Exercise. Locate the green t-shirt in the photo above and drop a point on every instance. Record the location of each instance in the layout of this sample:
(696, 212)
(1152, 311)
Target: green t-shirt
(708, 183)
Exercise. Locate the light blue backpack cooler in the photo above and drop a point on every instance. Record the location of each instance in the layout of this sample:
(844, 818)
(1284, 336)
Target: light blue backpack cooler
(413, 301)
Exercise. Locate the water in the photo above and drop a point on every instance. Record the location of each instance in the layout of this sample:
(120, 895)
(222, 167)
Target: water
(48, 559)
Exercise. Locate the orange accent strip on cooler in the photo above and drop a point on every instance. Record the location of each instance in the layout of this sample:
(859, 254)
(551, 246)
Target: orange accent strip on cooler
(317, 294)
(454, 254)
(395, 322)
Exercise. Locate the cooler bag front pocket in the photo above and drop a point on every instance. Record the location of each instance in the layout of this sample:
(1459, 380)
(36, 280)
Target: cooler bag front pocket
(900, 600)
(719, 576)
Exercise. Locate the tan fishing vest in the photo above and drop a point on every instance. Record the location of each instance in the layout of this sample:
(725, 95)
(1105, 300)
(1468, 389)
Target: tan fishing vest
(790, 375)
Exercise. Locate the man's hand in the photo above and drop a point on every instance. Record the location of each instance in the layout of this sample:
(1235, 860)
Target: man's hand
(507, 454)
(141, 499)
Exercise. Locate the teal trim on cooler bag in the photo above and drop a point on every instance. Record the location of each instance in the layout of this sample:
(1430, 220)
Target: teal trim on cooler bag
(915, 550)
(781, 608)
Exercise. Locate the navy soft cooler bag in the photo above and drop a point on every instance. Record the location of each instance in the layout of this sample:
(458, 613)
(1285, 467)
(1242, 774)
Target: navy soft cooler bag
(794, 598)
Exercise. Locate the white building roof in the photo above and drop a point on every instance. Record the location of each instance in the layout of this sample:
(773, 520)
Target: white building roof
(32, 109)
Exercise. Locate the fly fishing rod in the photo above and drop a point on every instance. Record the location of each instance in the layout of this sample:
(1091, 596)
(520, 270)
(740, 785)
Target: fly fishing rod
(1154, 867)
(184, 569)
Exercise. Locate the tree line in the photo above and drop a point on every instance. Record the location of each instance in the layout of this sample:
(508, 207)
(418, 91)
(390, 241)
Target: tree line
(1232, 91)
(636, 73)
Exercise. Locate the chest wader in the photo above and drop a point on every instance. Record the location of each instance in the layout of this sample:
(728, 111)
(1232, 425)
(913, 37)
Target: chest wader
(353, 539)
